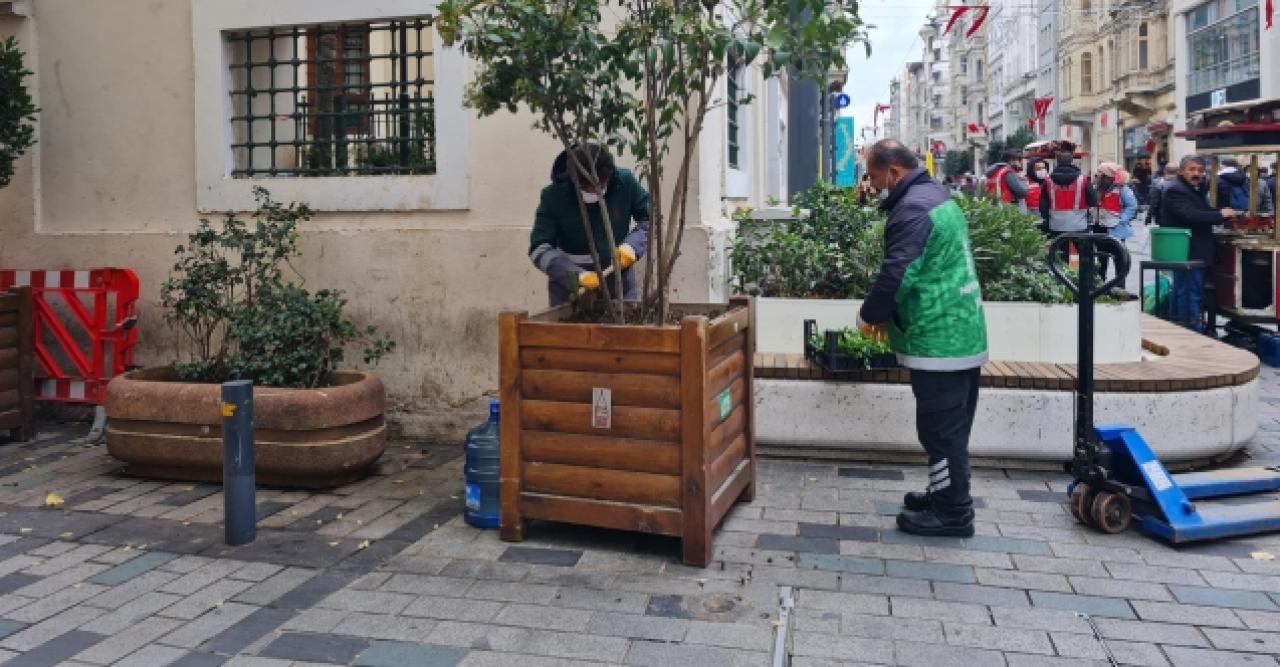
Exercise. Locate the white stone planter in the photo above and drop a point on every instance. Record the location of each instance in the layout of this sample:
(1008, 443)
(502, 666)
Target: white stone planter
(1024, 425)
(1027, 332)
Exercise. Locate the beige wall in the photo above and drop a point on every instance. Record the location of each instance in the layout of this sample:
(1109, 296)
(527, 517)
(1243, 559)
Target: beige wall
(112, 183)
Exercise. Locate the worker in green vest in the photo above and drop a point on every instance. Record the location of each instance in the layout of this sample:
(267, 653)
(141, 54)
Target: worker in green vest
(558, 245)
(928, 302)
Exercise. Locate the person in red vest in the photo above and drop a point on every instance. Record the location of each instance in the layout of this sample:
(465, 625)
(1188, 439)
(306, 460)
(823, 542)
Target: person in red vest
(1004, 180)
(1117, 205)
(1037, 183)
(1068, 198)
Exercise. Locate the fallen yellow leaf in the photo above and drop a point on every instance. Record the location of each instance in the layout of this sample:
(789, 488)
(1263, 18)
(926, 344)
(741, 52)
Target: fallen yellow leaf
(363, 545)
(333, 544)
(53, 500)
(24, 530)
(1263, 555)
(67, 535)
(397, 481)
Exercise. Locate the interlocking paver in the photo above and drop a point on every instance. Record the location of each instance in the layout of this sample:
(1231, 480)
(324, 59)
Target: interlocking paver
(916, 654)
(1127, 653)
(1088, 604)
(1198, 657)
(1220, 597)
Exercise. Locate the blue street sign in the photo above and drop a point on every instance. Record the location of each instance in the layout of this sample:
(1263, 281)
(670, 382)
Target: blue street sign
(846, 154)
(841, 100)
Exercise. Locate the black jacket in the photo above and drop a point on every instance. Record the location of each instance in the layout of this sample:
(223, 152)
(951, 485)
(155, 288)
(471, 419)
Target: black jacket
(1186, 207)
(1064, 175)
(1155, 200)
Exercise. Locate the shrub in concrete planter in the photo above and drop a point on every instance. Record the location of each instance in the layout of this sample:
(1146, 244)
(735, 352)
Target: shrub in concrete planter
(316, 425)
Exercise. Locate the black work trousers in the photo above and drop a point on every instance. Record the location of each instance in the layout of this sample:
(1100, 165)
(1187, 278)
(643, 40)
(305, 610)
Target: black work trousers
(946, 402)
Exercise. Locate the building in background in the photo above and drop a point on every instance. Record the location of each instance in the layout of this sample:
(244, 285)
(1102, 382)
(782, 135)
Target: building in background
(1013, 60)
(1223, 53)
(893, 122)
(1046, 85)
(970, 76)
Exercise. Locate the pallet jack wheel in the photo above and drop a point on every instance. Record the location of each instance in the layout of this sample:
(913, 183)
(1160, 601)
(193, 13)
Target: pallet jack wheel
(1112, 512)
(1082, 498)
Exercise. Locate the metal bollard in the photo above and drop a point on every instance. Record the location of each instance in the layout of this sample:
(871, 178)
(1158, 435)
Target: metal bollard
(239, 506)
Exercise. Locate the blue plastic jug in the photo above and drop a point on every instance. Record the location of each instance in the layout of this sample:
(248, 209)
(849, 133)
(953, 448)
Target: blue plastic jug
(482, 472)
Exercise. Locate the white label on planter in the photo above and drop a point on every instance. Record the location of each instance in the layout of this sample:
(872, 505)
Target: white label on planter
(1155, 472)
(601, 408)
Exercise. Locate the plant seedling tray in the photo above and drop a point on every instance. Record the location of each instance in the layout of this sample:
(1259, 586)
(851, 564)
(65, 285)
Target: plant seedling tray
(833, 361)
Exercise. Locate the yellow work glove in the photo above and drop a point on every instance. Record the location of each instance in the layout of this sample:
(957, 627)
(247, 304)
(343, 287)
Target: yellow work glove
(626, 256)
(588, 281)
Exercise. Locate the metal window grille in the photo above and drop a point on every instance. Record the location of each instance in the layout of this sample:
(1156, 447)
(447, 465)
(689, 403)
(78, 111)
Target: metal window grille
(333, 99)
(732, 111)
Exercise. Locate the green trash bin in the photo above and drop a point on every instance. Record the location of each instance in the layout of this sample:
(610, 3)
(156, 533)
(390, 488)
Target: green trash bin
(1170, 244)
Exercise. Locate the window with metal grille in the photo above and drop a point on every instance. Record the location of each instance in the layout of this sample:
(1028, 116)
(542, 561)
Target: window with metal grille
(351, 99)
(732, 109)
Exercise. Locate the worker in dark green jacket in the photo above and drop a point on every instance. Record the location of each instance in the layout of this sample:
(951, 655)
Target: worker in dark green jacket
(928, 299)
(558, 245)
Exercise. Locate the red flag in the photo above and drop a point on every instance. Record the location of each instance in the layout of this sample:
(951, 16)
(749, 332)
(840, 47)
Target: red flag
(1271, 10)
(956, 12)
(879, 109)
(1031, 124)
(973, 128)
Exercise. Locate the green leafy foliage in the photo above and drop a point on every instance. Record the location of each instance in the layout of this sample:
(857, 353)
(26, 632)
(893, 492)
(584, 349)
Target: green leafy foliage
(834, 253)
(228, 295)
(640, 77)
(957, 163)
(837, 252)
(1018, 140)
(852, 343)
(17, 113)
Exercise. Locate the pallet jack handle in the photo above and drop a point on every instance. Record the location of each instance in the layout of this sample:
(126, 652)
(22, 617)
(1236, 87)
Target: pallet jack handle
(1089, 246)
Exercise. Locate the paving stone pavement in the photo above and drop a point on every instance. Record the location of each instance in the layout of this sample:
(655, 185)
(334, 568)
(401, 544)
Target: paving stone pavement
(385, 572)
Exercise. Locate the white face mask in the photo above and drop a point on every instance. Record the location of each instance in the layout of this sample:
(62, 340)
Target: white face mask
(1042, 174)
(884, 193)
(591, 198)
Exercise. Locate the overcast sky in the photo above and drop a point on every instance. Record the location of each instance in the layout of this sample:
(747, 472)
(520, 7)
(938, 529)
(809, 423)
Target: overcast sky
(894, 41)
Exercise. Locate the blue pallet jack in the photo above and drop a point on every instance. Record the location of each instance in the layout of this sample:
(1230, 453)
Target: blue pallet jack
(1117, 476)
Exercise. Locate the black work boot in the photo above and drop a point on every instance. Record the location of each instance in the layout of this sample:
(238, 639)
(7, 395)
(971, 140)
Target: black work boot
(917, 500)
(931, 524)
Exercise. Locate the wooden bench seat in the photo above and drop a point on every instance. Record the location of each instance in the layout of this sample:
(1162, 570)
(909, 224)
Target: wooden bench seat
(1185, 361)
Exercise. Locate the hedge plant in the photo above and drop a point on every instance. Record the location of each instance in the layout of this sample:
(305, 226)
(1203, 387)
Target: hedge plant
(17, 113)
(836, 252)
(229, 295)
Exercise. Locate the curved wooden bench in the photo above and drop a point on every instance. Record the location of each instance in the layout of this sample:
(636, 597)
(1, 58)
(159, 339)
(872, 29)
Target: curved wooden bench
(1181, 360)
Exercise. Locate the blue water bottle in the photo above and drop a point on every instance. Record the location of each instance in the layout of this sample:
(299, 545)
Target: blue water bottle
(482, 472)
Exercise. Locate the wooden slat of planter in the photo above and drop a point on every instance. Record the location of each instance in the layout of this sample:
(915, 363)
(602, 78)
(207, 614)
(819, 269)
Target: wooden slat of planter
(728, 493)
(8, 336)
(724, 373)
(661, 458)
(10, 399)
(619, 516)
(726, 461)
(9, 301)
(9, 318)
(728, 348)
(643, 423)
(599, 361)
(731, 325)
(12, 418)
(10, 378)
(748, 403)
(511, 523)
(725, 432)
(695, 539)
(9, 357)
(600, 337)
(645, 391)
(602, 484)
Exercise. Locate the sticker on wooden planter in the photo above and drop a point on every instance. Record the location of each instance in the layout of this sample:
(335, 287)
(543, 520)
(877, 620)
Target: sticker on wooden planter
(601, 408)
(725, 399)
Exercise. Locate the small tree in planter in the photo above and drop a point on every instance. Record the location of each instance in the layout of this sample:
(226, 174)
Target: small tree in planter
(17, 113)
(242, 319)
(645, 427)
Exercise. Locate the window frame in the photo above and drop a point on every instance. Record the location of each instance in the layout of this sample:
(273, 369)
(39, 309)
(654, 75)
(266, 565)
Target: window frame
(216, 190)
(1086, 73)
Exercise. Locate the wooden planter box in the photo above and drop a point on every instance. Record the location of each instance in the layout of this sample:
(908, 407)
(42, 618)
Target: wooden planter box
(307, 438)
(16, 362)
(643, 428)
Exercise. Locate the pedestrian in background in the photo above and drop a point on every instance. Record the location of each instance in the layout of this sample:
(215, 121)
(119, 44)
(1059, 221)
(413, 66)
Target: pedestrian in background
(1185, 206)
(928, 300)
(1155, 199)
(1037, 185)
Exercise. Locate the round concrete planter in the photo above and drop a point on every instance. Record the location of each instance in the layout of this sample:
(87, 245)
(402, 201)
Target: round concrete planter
(311, 438)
